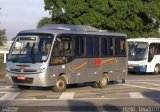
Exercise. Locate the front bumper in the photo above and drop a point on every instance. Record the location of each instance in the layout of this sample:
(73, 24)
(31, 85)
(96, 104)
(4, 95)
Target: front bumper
(140, 69)
(39, 79)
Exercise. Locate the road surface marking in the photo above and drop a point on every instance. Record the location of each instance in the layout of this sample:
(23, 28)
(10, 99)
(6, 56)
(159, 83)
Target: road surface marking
(136, 95)
(9, 96)
(5, 87)
(8, 88)
(67, 96)
(150, 83)
(141, 87)
(141, 80)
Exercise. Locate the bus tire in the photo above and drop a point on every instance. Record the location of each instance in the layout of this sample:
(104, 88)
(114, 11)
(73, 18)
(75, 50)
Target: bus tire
(102, 83)
(123, 81)
(23, 87)
(60, 85)
(94, 85)
(157, 69)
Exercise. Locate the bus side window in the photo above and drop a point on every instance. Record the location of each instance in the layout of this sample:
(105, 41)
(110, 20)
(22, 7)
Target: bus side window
(89, 46)
(92, 46)
(96, 46)
(123, 47)
(110, 46)
(117, 47)
(158, 49)
(104, 48)
(62, 50)
(79, 46)
(152, 51)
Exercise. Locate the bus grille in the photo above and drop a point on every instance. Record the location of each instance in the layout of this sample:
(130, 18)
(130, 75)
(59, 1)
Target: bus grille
(26, 81)
(25, 70)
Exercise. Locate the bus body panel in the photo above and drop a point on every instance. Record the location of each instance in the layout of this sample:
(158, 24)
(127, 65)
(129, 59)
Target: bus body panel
(83, 70)
(145, 66)
(77, 70)
(137, 66)
(36, 78)
(151, 65)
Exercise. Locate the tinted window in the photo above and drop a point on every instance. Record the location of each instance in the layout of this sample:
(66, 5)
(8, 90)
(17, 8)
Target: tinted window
(62, 50)
(110, 47)
(120, 47)
(104, 47)
(79, 45)
(96, 46)
(117, 47)
(123, 47)
(153, 50)
(89, 46)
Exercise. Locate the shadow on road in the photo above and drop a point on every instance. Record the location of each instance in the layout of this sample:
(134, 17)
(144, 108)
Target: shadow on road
(90, 106)
(69, 87)
(153, 95)
(68, 106)
(135, 73)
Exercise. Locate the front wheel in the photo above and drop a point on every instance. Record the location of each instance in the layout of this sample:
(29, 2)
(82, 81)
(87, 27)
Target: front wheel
(157, 69)
(60, 85)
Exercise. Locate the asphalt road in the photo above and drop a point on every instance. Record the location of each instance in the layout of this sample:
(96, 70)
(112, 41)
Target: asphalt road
(139, 93)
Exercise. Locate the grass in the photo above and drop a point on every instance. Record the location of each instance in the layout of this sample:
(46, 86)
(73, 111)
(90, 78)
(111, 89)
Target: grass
(1, 59)
(2, 70)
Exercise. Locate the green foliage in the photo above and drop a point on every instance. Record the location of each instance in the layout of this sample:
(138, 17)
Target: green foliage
(3, 38)
(44, 21)
(1, 59)
(133, 17)
(2, 68)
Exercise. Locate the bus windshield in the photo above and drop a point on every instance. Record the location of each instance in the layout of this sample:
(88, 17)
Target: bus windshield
(31, 48)
(137, 51)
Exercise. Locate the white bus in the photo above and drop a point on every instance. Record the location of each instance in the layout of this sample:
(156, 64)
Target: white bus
(144, 55)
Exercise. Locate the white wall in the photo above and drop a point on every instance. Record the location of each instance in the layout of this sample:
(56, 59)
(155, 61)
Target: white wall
(4, 52)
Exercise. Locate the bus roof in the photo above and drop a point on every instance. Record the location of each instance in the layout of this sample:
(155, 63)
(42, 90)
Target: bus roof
(148, 40)
(57, 29)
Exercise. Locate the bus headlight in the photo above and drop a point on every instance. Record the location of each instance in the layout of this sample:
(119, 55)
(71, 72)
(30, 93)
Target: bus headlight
(42, 68)
(7, 69)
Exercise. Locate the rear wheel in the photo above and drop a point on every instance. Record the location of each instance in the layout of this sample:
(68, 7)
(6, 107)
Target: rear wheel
(60, 85)
(123, 81)
(157, 69)
(22, 87)
(102, 83)
(94, 85)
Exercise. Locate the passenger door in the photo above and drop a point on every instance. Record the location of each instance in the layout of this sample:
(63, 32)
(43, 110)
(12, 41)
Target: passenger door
(62, 57)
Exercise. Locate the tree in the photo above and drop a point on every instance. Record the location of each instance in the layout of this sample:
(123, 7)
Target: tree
(133, 17)
(2, 37)
(44, 21)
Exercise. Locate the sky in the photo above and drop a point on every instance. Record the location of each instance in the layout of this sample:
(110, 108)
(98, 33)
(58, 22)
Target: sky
(17, 15)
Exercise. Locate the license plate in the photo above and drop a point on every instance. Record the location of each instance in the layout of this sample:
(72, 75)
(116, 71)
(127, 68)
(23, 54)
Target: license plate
(130, 67)
(21, 78)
